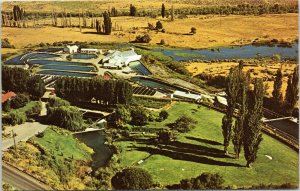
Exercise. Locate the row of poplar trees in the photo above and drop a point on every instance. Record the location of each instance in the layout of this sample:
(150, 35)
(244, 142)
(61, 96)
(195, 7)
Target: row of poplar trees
(106, 92)
(285, 106)
(246, 132)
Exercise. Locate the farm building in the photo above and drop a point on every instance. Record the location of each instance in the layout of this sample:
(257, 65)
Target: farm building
(118, 59)
(187, 95)
(7, 96)
(90, 51)
(71, 49)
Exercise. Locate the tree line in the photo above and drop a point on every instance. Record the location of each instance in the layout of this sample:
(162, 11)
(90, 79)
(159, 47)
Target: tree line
(246, 131)
(19, 80)
(285, 106)
(106, 92)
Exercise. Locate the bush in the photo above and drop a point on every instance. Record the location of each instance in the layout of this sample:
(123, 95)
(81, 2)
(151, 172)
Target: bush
(158, 25)
(165, 136)
(16, 117)
(132, 178)
(19, 101)
(6, 44)
(193, 30)
(57, 102)
(143, 39)
(139, 116)
(183, 124)
(163, 115)
(204, 181)
(162, 42)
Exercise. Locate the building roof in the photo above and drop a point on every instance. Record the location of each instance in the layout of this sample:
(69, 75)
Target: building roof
(7, 96)
(187, 95)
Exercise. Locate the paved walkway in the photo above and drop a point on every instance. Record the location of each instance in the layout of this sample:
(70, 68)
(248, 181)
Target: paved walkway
(23, 131)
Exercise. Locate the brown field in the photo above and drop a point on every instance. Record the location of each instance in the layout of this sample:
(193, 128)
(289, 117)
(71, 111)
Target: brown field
(212, 31)
(222, 68)
(101, 5)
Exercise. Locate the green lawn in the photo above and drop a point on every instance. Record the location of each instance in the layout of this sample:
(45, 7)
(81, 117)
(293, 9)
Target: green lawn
(200, 151)
(59, 141)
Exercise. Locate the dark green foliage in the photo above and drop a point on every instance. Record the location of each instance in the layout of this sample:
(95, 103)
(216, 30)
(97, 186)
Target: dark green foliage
(139, 116)
(178, 67)
(277, 95)
(204, 181)
(107, 23)
(163, 115)
(291, 96)
(36, 87)
(158, 25)
(226, 131)
(132, 10)
(120, 117)
(20, 81)
(143, 39)
(19, 101)
(66, 117)
(252, 122)
(183, 124)
(163, 9)
(165, 136)
(6, 106)
(215, 81)
(132, 178)
(107, 92)
(149, 102)
(6, 44)
(17, 13)
(57, 102)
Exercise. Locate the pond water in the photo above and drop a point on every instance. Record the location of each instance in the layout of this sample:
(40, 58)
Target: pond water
(96, 140)
(65, 73)
(51, 62)
(72, 68)
(53, 50)
(139, 68)
(84, 56)
(241, 52)
(287, 126)
(23, 57)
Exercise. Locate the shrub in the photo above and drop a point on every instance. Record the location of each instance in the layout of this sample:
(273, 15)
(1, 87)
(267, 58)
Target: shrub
(132, 178)
(19, 101)
(162, 42)
(57, 102)
(165, 136)
(163, 115)
(6, 44)
(158, 25)
(139, 116)
(193, 30)
(183, 124)
(16, 117)
(143, 39)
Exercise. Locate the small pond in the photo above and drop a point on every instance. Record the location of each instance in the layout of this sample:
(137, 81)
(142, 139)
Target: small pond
(239, 52)
(84, 56)
(65, 73)
(71, 68)
(139, 68)
(96, 140)
(23, 57)
(51, 62)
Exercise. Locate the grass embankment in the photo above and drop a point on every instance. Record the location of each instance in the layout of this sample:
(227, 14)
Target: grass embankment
(201, 150)
(150, 102)
(232, 30)
(56, 158)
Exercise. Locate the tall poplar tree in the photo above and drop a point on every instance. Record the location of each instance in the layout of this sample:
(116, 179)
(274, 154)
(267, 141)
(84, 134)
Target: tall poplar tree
(252, 122)
(292, 91)
(163, 9)
(277, 95)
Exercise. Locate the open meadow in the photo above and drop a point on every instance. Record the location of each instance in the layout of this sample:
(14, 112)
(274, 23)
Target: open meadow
(201, 150)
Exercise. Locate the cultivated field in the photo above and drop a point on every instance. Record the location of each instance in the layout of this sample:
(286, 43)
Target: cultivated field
(212, 31)
(200, 150)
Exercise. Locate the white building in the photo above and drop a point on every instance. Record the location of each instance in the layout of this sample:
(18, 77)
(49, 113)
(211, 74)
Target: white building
(91, 51)
(71, 49)
(187, 95)
(117, 59)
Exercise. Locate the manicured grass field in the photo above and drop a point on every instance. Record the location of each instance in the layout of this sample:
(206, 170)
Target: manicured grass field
(59, 141)
(201, 150)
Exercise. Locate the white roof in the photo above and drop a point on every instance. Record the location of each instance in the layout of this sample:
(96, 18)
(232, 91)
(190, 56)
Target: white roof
(187, 95)
(91, 49)
(222, 100)
(72, 46)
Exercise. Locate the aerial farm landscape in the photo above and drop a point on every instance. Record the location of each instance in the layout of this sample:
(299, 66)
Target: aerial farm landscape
(109, 95)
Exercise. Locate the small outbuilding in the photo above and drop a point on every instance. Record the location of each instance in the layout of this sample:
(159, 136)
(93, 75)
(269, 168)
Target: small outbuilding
(71, 49)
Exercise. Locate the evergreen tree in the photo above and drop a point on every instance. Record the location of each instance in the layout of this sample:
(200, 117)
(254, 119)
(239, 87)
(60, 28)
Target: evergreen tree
(232, 91)
(163, 9)
(252, 123)
(36, 86)
(107, 23)
(277, 95)
(291, 96)
(172, 13)
(132, 10)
